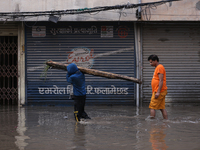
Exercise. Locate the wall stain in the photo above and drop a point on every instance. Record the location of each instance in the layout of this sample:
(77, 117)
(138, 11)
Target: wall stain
(17, 8)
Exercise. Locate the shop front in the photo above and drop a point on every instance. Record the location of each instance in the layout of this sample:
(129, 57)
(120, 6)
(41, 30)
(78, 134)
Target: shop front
(104, 46)
(178, 48)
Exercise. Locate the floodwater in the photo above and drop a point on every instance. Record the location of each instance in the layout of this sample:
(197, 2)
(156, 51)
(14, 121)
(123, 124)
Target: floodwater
(111, 128)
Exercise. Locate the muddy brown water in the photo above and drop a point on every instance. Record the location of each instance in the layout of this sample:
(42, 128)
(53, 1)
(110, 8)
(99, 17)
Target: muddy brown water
(111, 128)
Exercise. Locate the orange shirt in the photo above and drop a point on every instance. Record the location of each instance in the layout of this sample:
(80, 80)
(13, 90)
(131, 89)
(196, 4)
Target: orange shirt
(155, 80)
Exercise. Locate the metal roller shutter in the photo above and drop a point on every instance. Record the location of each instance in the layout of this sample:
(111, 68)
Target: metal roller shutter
(178, 48)
(109, 45)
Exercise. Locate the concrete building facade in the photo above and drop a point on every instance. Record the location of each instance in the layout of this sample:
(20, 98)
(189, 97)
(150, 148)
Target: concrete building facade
(169, 29)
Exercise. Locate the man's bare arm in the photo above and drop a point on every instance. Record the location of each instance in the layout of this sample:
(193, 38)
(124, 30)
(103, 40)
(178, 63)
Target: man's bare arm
(160, 85)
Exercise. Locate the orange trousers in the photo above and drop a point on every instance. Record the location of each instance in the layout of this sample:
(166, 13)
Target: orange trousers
(158, 103)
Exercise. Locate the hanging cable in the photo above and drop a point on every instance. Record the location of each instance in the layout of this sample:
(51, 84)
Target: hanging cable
(14, 15)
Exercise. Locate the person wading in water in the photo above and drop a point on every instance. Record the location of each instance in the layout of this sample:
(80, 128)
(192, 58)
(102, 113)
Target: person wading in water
(159, 88)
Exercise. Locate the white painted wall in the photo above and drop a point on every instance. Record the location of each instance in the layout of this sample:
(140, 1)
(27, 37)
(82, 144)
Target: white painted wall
(184, 10)
(21, 64)
(48, 5)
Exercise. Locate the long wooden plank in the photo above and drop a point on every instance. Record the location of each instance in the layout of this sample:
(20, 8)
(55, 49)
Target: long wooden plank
(57, 65)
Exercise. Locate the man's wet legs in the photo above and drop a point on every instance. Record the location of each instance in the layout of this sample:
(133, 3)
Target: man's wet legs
(84, 114)
(164, 113)
(152, 113)
(77, 110)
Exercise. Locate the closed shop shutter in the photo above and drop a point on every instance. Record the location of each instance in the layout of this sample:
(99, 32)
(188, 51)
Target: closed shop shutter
(178, 48)
(105, 46)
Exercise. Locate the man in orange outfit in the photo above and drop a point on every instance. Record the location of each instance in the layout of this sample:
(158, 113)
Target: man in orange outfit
(159, 87)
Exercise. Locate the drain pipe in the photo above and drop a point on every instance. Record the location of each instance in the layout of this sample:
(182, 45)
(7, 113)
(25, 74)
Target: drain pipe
(140, 63)
(139, 9)
(138, 55)
(137, 63)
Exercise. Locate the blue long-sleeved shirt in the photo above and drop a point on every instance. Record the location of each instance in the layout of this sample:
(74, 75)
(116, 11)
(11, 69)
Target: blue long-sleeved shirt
(77, 78)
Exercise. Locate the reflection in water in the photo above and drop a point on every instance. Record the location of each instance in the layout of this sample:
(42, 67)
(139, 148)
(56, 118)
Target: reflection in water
(157, 137)
(79, 136)
(21, 128)
(8, 124)
(111, 128)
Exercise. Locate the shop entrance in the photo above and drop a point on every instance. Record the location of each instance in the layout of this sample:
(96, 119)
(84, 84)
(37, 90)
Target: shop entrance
(8, 70)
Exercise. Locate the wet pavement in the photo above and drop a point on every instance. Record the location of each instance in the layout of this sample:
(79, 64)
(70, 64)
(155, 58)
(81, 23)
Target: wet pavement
(111, 128)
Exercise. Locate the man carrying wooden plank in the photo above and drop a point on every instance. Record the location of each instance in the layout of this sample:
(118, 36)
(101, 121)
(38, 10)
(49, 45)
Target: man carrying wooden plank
(77, 79)
(94, 72)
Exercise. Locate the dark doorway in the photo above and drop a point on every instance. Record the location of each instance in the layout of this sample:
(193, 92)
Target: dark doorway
(8, 70)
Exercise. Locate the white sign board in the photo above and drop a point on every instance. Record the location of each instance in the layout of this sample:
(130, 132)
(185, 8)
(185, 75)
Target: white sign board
(38, 31)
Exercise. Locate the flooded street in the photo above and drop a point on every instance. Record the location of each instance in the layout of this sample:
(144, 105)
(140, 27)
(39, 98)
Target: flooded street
(111, 128)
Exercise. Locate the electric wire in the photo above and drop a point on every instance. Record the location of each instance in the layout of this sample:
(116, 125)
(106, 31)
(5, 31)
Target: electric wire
(95, 10)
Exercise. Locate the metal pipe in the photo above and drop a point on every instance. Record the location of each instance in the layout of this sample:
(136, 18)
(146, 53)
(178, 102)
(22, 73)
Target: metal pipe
(141, 62)
(139, 8)
(137, 63)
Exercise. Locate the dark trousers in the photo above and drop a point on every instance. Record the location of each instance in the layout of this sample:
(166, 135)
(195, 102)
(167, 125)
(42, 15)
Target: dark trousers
(79, 107)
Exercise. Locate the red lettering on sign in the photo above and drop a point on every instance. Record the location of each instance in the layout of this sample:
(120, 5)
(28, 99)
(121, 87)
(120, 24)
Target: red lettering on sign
(69, 56)
(73, 58)
(103, 28)
(123, 32)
